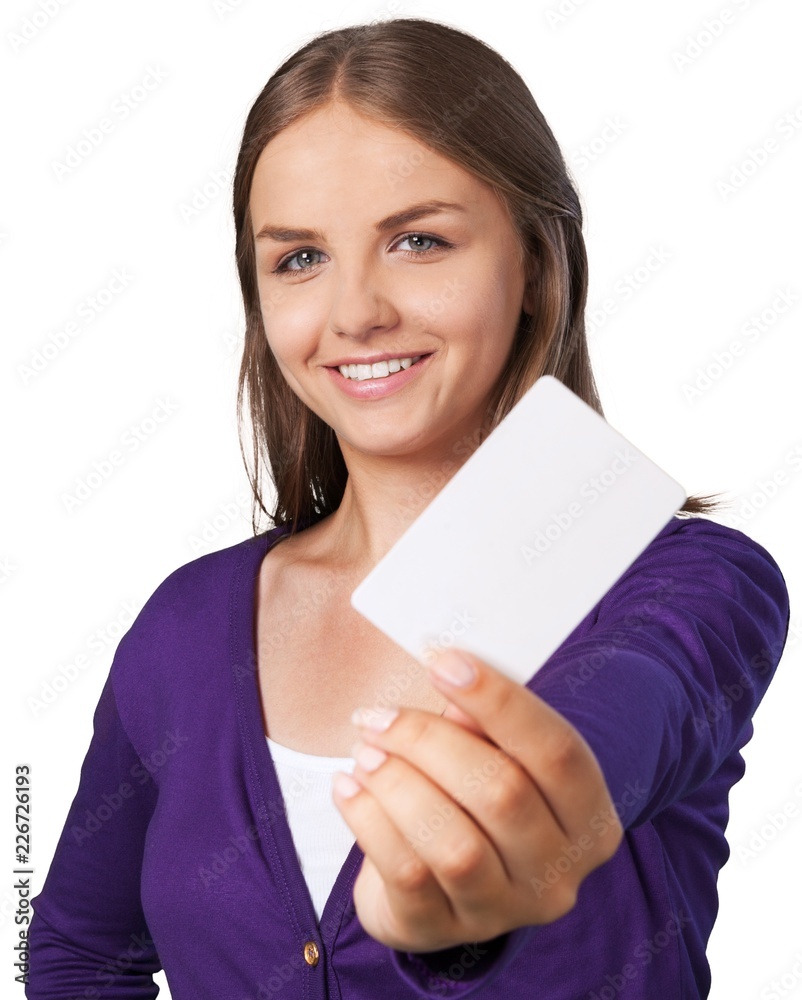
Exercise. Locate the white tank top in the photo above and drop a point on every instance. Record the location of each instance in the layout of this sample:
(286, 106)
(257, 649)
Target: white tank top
(321, 836)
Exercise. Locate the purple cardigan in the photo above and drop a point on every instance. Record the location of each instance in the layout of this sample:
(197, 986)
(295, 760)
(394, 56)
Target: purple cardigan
(176, 852)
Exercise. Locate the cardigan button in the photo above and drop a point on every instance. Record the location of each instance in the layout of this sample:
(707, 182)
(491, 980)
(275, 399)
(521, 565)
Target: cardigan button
(311, 954)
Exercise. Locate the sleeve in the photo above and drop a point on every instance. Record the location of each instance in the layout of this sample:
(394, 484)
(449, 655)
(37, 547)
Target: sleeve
(662, 686)
(88, 936)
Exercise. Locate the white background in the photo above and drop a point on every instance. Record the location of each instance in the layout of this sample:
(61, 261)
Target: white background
(172, 334)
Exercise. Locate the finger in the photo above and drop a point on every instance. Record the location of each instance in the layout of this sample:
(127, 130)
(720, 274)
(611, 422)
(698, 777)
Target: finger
(482, 779)
(450, 844)
(414, 897)
(547, 746)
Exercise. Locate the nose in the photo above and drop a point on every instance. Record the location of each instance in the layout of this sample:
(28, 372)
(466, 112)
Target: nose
(361, 298)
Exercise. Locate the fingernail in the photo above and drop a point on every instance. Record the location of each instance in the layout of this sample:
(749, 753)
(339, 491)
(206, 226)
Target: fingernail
(454, 669)
(377, 719)
(345, 785)
(369, 758)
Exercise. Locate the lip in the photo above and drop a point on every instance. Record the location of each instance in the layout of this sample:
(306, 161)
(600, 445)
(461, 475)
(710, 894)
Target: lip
(378, 388)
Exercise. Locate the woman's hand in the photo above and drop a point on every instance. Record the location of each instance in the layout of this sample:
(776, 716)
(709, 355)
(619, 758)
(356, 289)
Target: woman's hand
(477, 822)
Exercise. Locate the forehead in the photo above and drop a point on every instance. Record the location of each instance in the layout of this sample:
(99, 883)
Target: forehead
(338, 154)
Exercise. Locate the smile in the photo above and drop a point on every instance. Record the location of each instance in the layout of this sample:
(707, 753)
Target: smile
(380, 370)
(385, 378)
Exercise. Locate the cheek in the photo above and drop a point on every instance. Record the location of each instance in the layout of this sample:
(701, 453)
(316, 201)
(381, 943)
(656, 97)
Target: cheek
(289, 328)
(476, 313)
(498, 303)
(440, 304)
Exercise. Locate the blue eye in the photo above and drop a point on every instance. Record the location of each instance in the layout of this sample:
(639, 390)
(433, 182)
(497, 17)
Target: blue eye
(282, 266)
(422, 236)
(305, 252)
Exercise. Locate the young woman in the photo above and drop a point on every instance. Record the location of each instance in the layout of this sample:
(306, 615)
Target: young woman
(411, 259)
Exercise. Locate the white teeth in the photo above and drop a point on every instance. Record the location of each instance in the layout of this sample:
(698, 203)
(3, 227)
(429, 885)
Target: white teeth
(380, 370)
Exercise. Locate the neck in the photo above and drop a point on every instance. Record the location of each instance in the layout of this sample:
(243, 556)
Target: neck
(385, 494)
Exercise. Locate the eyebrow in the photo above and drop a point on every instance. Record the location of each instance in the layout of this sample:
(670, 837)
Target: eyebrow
(284, 234)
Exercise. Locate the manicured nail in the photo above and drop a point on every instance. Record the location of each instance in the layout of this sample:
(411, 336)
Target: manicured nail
(377, 719)
(453, 669)
(368, 757)
(345, 785)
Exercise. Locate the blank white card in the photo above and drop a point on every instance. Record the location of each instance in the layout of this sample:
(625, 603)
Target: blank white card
(524, 539)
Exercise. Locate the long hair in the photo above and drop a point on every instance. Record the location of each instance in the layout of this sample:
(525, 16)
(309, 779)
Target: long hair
(459, 97)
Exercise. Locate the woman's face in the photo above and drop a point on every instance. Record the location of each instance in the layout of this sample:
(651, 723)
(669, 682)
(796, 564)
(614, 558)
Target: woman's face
(442, 282)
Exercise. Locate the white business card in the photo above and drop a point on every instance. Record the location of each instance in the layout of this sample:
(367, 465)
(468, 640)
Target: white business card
(524, 539)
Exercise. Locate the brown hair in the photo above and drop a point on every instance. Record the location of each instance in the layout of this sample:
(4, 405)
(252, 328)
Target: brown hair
(459, 97)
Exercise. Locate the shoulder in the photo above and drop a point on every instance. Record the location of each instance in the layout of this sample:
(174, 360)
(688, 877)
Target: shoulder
(197, 586)
(188, 613)
(698, 538)
(708, 568)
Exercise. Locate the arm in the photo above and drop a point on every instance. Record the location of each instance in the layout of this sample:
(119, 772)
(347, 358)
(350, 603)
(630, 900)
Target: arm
(88, 936)
(680, 656)
(661, 680)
